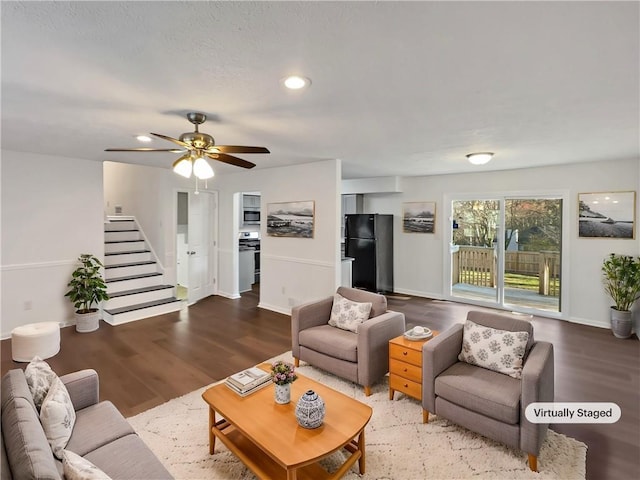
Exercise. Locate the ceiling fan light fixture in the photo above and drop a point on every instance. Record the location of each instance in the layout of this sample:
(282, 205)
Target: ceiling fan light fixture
(202, 169)
(296, 82)
(480, 158)
(183, 166)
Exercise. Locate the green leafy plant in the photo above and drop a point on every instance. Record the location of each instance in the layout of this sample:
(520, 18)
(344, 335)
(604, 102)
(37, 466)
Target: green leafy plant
(621, 277)
(87, 286)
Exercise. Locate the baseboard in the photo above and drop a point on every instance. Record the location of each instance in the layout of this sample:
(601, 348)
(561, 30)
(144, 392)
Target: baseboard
(274, 308)
(417, 293)
(232, 296)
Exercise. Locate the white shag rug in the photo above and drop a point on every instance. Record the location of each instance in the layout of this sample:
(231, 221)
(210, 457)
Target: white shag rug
(398, 444)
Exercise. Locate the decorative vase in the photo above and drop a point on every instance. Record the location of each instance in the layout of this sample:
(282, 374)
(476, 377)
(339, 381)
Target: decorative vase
(283, 393)
(621, 323)
(87, 322)
(310, 410)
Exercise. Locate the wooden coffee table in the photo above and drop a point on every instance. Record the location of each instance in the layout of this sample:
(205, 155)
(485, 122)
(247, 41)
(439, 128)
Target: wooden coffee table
(266, 437)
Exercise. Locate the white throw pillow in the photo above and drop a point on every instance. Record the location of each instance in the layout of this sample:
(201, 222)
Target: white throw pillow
(348, 315)
(57, 417)
(39, 378)
(75, 467)
(498, 350)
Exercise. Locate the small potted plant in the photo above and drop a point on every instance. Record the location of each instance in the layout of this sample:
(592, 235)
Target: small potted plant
(283, 375)
(621, 277)
(87, 288)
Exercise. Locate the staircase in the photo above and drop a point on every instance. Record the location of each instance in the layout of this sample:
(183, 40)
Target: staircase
(134, 283)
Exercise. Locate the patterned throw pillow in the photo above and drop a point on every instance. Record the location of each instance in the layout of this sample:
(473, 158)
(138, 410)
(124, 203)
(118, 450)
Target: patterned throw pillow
(348, 315)
(77, 468)
(498, 350)
(39, 378)
(57, 417)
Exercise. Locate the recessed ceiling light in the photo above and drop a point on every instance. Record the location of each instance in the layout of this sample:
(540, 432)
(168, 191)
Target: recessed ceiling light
(479, 158)
(296, 82)
(143, 138)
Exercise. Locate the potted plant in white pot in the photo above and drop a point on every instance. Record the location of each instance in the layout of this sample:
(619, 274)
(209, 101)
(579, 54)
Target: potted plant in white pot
(87, 288)
(621, 276)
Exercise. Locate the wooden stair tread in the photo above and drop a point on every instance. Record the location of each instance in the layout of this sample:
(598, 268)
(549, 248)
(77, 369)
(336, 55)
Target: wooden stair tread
(141, 306)
(127, 252)
(134, 291)
(131, 264)
(132, 277)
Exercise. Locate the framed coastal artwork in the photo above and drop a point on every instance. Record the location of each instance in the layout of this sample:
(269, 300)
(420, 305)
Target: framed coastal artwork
(418, 217)
(291, 219)
(607, 215)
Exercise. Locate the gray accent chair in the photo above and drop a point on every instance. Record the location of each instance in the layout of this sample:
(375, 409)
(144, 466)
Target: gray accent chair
(361, 357)
(489, 403)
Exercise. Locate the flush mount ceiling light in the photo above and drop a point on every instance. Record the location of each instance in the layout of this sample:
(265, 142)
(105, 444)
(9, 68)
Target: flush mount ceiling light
(143, 138)
(296, 82)
(479, 158)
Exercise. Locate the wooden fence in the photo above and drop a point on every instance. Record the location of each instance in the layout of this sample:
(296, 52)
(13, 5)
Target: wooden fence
(478, 266)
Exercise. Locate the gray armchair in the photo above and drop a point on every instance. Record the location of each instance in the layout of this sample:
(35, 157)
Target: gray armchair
(489, 403)
(361, 357)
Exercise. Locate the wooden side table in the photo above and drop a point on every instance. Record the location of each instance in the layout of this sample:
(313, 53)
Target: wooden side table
(405, 368)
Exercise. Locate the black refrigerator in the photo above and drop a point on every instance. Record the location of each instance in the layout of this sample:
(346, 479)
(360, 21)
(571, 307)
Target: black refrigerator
(369, 241)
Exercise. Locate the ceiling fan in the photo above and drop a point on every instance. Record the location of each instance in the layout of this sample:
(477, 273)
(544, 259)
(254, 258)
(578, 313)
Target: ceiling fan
(198, 146)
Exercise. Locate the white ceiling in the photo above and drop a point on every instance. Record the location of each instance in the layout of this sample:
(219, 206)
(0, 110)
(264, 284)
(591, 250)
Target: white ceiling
(398, 88)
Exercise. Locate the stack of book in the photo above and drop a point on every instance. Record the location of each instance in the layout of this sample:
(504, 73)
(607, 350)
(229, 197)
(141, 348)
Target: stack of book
(248, 381)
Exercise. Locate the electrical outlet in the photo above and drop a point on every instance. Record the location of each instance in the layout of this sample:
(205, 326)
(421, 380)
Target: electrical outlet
(283, 291)
(28, 305)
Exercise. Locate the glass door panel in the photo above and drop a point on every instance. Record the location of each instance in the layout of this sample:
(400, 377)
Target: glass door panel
(532, 253)
(474, 260)
(520, 270)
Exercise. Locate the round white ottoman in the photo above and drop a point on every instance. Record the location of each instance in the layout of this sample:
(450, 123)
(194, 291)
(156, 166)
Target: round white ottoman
(35, 339)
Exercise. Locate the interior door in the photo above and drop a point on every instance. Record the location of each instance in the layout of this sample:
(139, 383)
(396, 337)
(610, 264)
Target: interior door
(201, 274)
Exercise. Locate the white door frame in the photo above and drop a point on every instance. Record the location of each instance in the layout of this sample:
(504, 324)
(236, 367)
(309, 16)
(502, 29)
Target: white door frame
(212, 287)
(447, 219)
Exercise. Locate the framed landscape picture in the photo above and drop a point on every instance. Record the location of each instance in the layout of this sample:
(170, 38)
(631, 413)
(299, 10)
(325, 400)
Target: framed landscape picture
(418, 217)
(291, 219)
(607, 215)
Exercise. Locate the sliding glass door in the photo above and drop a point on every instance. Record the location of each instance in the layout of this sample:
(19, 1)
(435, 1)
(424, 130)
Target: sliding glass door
(507, 251)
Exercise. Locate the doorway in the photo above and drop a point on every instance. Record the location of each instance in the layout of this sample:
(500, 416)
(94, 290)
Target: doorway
(249, 250)
(196, 244)
(518, 269)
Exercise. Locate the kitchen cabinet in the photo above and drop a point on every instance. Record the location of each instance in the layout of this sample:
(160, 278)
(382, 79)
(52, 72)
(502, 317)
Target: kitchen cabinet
(251, 201)
(346, 279)
(247, 269)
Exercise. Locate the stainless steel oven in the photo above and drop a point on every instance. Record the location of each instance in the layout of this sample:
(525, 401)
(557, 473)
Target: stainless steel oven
(252, 240)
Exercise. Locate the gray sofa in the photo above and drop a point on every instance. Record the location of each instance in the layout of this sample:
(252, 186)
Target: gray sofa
(100, 434)
(361, 357)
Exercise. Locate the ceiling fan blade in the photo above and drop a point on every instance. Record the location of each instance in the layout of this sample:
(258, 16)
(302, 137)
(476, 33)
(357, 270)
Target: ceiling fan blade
(236, 149)
(174, 140)
(144, 149)
(238, 162)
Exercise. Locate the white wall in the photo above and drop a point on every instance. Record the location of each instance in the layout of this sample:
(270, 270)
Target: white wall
(420, 259)
(147, 193)
(291, 271)
(51, 213)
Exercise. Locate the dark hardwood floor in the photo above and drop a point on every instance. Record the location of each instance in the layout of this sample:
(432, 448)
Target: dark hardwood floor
(143, 364)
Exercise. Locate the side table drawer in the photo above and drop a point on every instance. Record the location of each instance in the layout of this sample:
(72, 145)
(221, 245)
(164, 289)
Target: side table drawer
(405, 354)
(411, 388)
(406, 370)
